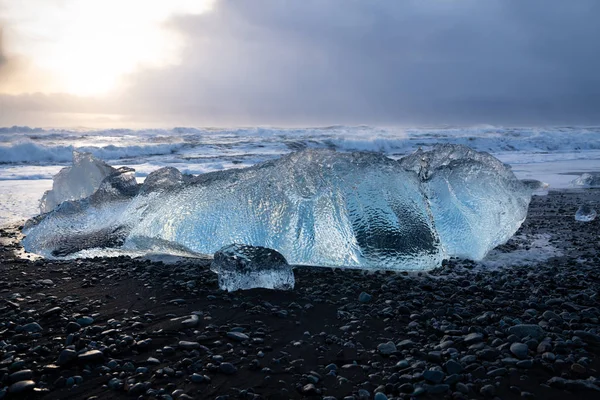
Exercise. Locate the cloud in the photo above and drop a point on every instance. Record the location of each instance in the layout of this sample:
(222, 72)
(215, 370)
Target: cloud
(411, 62)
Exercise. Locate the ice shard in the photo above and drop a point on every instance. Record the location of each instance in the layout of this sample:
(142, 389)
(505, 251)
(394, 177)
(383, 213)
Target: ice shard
(242, 267)
(78, 181)
(587, 180)
(315, 207)
(585, 213)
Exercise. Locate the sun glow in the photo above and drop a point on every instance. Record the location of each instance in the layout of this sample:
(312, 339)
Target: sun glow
(87, 47)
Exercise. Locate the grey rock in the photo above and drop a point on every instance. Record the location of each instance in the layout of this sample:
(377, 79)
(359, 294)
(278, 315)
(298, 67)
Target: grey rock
(238, 336)
(453, 367)
(23, 375)
(520, 350)
(66, 356)
(189, 345)
(364, 297)
(523, 330)
(31, 327)
(387, 348)
(434, 376)
(488, 391)
(72, 327)
(436, 389)
(227, 368)
(473, 338)
(91, 357)
(21, 387)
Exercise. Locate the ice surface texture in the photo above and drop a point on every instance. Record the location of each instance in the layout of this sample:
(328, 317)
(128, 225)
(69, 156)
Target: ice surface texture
(585, 213)
(315, 207)
(243, 267)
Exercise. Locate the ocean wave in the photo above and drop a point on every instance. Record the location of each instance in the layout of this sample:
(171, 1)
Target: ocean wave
(31, 152)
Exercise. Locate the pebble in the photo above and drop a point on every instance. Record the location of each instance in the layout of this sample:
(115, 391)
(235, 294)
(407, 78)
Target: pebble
(520, 350)
(227, 368)
(434, 376)
(66, 356)
(91, 357)
(473, 338)
(387, 348)
(523, 330)
(238, 336)
(189, 345)
(23, 375)
(364, 297)
(21, 387)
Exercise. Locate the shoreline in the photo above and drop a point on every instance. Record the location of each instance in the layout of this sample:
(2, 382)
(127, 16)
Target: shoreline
(160, 329)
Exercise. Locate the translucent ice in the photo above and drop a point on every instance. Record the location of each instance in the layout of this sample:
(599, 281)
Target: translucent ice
(585, 213)
(476, 201)
(587, 180)
(76, 182)
(315, 207)
(243, 267)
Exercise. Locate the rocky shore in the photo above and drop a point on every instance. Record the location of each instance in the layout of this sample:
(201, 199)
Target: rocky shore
(127, 328)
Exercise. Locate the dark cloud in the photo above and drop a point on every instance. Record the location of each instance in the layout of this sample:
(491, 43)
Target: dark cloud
(381, 62)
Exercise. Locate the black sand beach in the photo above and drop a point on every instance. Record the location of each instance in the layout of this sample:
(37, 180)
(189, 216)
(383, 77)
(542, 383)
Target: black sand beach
(123, 328)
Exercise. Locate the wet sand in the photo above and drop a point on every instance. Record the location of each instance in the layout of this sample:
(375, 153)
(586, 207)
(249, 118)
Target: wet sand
(124, 328)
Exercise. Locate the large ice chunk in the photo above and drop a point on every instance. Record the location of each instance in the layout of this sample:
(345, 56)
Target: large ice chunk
(315, 207)
(242, 267)
(476, 201)
(76, 182)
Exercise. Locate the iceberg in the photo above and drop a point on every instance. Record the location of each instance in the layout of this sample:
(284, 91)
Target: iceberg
(314, 207)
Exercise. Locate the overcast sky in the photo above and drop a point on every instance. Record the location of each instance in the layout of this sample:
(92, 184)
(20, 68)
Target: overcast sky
(304, 62)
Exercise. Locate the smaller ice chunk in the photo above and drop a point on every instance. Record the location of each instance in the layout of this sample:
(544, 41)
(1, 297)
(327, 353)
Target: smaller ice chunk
(77, 181)
(587, 180)
(243, 267)
(585, 213)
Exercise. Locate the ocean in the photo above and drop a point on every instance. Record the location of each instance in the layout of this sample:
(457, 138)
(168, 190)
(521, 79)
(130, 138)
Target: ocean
(29, 157)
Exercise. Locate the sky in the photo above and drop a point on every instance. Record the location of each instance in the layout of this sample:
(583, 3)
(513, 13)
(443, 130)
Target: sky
(146, 63)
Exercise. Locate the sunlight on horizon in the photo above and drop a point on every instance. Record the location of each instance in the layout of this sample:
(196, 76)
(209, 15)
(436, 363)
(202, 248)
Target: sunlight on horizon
(85, 47)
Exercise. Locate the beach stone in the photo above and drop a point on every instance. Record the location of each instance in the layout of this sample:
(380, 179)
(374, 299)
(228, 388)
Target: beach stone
(380, 396)
(85, 321)
(31, 327)
(387, 348)
(52, 311)
(523, 330)
(364, 297)
(191, 322)
(66, 356)
(23, 375)
(72, 327)
(488, 391)
(91, 357)
(47, 282)
(453, 367)
(473, 338)
(434, 376)
(238, 336)
(548, 315)
(436, 389)
(188, 345)
(520, 350)
(21, 387)
(227, 368)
